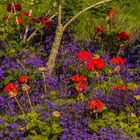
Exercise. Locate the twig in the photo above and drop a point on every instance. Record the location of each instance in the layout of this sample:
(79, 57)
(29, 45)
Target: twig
(20, 63)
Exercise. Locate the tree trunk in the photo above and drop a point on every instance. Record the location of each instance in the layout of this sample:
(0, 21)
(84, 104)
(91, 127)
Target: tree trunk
(55, 48)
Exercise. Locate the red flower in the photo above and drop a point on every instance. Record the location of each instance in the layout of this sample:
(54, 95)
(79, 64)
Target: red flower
(48, 24)
(95, 104)
(117, 60)
(38, 20)
(111, 12)
(17, 7)
(30, 18)
(99, 28)
(11, 89)
(120, 88)
(19, 21)
(125, 87)
(25, 14)
(77, 78)
(83, 55)
(44, 20)
(95, 63)
(80, 86)
(23, 78)
(117, 88)
(123, 36)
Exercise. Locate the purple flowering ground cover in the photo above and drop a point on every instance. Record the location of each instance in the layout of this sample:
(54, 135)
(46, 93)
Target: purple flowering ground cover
(53, 107)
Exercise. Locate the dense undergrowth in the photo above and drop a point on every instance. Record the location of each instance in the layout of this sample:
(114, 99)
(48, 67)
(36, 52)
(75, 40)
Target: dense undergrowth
(92, 94)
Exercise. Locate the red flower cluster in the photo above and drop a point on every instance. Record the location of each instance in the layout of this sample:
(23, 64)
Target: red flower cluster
(117, 60)
(45, 21)
(77, 78)
(120, 88)
(95, 63)
(95, 105)
(83, 56)
(111, 12)
(99, 28)
(11, 89)
(23, 78)
(17, 7)
(123, 36)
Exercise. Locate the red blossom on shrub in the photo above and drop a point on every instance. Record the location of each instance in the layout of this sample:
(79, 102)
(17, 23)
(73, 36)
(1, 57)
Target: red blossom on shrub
(99, 28)
(77, 78)
(19, 21)
(25, 14)
(117, 60)
(123, 36)
(83, 55)
(111, 12)
(17, 7)
(31, 19)
(23, 78)
(95, 105)
(80, 86)
(95, 63)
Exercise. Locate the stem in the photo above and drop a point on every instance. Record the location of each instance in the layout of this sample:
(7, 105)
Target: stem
(94, 5)
(29, 99)
(20, 63)
(19, 105)
(13, 6)
(27, 27)
(45, 89)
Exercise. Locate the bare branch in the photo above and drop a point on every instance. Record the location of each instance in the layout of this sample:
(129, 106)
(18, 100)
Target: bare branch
(91, 6)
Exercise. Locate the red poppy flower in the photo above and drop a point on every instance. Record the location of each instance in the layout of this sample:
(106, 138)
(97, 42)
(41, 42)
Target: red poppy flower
(23, 78)
(123, 36)
(83, 55)
(19, 21)
(17, 7)
(111, 12)
(117, 60)
(25, 14)
(99, 28)
(80, 86)
(77, 78)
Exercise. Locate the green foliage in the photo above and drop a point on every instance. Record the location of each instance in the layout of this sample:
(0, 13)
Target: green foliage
(38, 129)
(129, 124)
(132, 86)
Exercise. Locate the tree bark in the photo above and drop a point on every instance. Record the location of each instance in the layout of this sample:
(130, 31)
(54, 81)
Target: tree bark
(55, 48)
